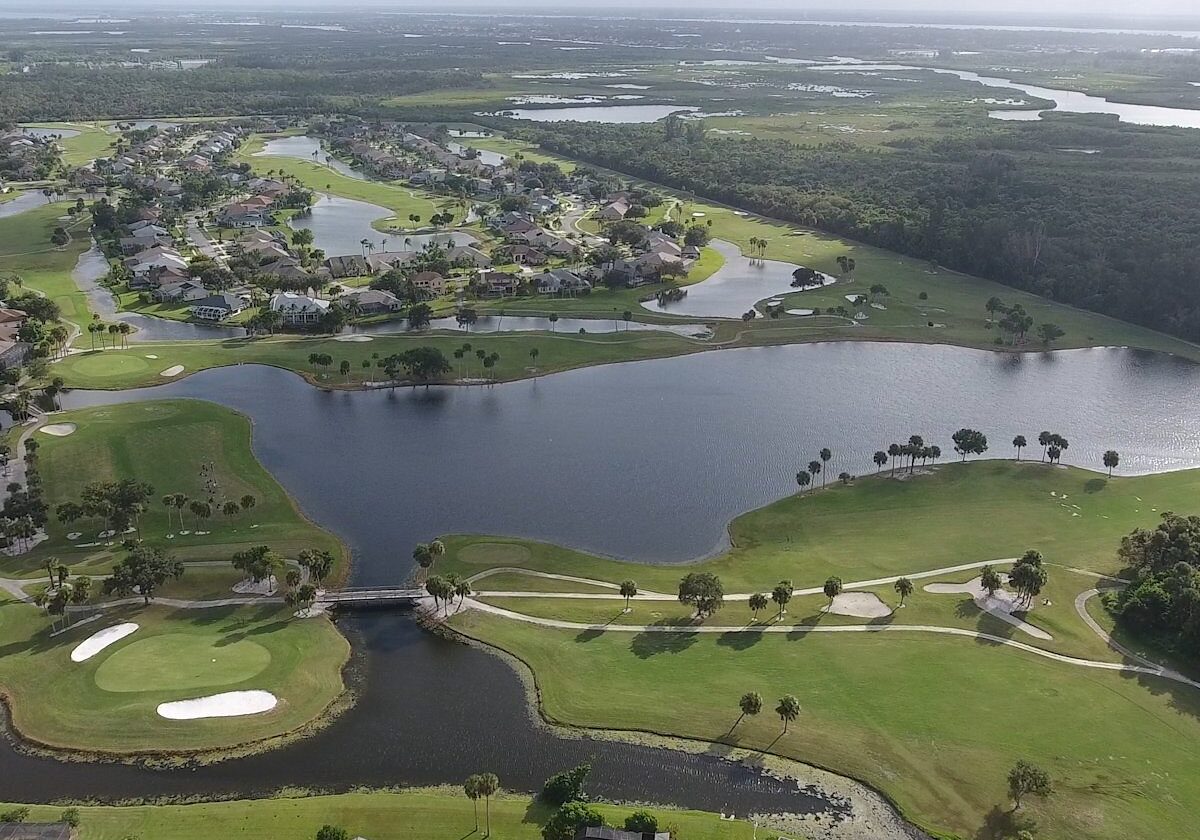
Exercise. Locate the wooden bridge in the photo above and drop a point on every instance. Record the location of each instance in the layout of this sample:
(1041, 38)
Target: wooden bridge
(367, 597)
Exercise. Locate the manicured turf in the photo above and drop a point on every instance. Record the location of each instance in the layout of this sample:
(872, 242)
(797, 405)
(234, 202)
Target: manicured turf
(25, 250)
(108, 702)
(93, 141)
(439, 814)
(165, 444)
(401, 200)
(933, 721)
(178, 661)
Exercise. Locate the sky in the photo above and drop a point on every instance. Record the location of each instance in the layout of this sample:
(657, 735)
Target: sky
(1115, 9)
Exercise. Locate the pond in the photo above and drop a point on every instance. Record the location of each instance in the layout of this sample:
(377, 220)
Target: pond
(339, 226)
(734, 288)
(310, 149)
(142, 125)
(92, 267)
(739, 422)
(1065, 101)
(25, 201)
(485, 156)
(597, 113)
(44, 133)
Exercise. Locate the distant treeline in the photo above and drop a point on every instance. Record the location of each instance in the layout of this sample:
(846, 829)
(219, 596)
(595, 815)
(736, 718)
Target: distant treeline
(68, 92)
(1116, 230)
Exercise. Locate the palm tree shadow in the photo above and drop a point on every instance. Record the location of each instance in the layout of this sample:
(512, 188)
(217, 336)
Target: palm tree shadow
(740, 639)
(1004, 823)
(585, 636)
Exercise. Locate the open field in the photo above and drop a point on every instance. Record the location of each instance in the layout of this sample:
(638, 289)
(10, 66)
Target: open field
(25, 251)
(93, 141)
(419, 814)
(165, 444)
(902, 710)
(107, 703)
(401, 200)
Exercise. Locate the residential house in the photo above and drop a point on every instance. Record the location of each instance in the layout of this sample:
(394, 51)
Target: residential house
(218, 307)
(561, 281)
(244, 215)
(158, 277)
(299, 310)
(604, 832)
(429, 282)
(370, 301)
(287, 269)
(524, 255)
(145, 236)
(497, 283)
(468, 255)
(13, 352)
(184, 291)
(158, 256)
(353, 265)
(614, 211)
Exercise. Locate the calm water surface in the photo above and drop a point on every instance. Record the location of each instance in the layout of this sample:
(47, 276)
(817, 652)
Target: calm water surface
(304, 147)
(339, 226)
(25, 201)
(665, 467)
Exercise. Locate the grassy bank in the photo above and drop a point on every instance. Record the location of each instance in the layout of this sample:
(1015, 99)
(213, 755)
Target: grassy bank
(108, 702)
(903, 711)
(25, 251)
(438, 814)
(93, 141)
(165, 444)
(401, 200)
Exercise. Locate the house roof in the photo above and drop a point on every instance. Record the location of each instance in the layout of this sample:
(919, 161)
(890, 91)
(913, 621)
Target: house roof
(35, 831)
(222, 301)
(292, 302)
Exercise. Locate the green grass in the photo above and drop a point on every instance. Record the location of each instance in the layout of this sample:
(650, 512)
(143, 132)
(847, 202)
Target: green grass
(93, 141)
(181, 661)
(401, 200)
(165, 444)
(107, 703)
(421, 814)
(878, 527)
(115, 369)
(935, 722)
(25, 250)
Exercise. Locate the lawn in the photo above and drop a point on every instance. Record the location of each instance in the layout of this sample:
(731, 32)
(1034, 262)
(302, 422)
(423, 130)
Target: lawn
(401, 200)
(419, 814)
(878, 527)
(933, 722)
(165, 444)
(25, 250)
(903, 712)
(107, 703)
(116, 369)
(93, 141)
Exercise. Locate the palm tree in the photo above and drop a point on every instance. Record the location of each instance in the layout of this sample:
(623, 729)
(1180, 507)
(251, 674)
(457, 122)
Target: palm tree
(750, 704)
(169, 502)
(247, 502)
(803, 479)
(462, 589)
(781, 594)
(124, 329)
(231, 509)
(1111, 459)
(533, 355)
(81, 590)
(471, 789)
(904, 588)
(1044, 441)
(488, 786)
(814, 468)
(628, 590)
(880, 458)
(1019, 444)
(788, 710)
(825, 455)
(180, 501)
(893, 452)
(832, 588)
(758, 601)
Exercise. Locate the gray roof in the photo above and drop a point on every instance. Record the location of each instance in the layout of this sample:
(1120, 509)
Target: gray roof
(224, 301)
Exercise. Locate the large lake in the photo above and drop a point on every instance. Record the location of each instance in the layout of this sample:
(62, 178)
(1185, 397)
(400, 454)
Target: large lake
(339, 226)
(615, 460)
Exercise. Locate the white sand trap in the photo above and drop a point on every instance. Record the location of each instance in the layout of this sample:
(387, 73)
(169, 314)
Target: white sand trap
(151, 356)
(58, 429)
(101, 639)
(228, 704)
(800, 312)
(249, 587)
(74, 535)
(354, 338)
(1001, 605)
(173, 370)
(859, 605)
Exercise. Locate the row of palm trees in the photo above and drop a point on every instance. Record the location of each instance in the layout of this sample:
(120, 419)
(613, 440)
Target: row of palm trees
(202, 510)
(751, 704)
(118, 333)
(444, 589)
(806, 477)
(482, 786)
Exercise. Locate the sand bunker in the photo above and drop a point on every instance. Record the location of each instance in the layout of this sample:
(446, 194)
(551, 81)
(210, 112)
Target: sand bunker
(354, 338)
(101, 639)
(859, 605)
(801, 312)
(151, 356)
(173, 370)
(1002, 604)
(228, 704)
(58, 429)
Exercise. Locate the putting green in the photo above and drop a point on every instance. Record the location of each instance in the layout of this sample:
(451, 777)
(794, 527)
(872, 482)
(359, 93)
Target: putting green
(111, 364)
(178, 661)
(492, 554)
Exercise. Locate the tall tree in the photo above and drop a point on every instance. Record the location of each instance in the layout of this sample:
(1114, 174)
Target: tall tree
(832, 588)
(489, 785)
(703, 591)
(788, 710)
(1019, 444)
(758, 602)
(781, 595)
(904, 588)
(1111, 459)
(628, 590)
(751, 703)
(1026, 779)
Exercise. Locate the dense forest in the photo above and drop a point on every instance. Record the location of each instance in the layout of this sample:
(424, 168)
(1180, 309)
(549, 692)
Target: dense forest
(1163, 603)
(72, 92)
(1116, 230)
